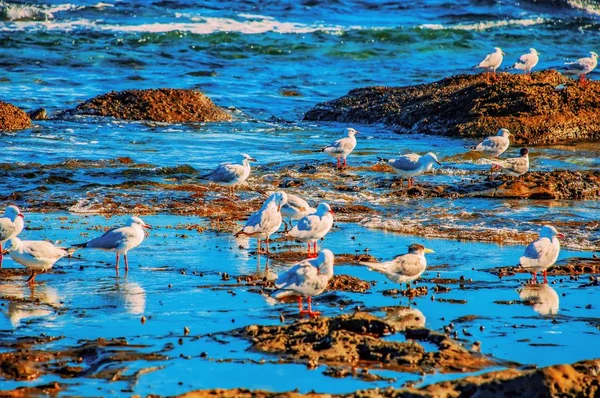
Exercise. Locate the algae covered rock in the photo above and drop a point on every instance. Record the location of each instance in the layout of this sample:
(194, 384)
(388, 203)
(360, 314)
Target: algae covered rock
(13, 118)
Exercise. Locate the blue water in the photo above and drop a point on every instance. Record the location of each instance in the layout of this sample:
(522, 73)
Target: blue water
(244, 55)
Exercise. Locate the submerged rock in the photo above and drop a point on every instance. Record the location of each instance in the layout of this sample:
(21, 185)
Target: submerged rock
(535, 111)
(38, 114)
(13, 118)
(159, 105)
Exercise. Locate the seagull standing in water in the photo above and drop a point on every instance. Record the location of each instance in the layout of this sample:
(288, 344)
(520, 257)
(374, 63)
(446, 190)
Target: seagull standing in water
(314, 227)
(342, 148)
(515, 167)
(308, 278)
(230, 174)
(404, 268)
(582, 67)
(542, 253)
(266, 221)
(37, 255)
(527, 62)
(494, 146)
(295, 209)
(411, 165)
(9, 226)
(492, 61)
(119, 240)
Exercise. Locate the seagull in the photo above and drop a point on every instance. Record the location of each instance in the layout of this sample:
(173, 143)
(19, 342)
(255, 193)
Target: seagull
(492, 61)
(37, 255)
(9, 226)
(295, 209)
(314, 227)
(495, 145)
(542, 253)
(404, 268)
(119, 240)
(411, 165)
(545, 299)
(342, 147)
(514, 166)
(230, 174)
(266, 221)
(527, 62)
(307, 278)
(582, 66)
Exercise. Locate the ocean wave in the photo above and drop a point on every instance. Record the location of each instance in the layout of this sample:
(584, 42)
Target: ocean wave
(591, 7)
(478, 26)
(27, 12)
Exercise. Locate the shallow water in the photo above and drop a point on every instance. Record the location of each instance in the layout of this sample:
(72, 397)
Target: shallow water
(244, 55)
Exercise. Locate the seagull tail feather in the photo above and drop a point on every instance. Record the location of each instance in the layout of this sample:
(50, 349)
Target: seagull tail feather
(373, 266)
(78, 246)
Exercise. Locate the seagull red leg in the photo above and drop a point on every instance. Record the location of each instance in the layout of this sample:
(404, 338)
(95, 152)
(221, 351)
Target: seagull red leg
(117, 265)
(126, 262)
(308, 250)
(31, 279)
(300, 307)
(311, 313)
(268, 250)
(545, 273)
(1, 255)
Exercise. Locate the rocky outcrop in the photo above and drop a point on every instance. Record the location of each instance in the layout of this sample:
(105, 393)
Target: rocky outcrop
(549, 108)
(13, 118)
(159, 105)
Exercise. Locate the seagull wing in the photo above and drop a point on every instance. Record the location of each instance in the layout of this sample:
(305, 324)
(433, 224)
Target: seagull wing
(111, 239)
(341, 146)
(493, 144)
(409, 265)
(7, 229)
(226, 173)
(44, 251)
(406, 162)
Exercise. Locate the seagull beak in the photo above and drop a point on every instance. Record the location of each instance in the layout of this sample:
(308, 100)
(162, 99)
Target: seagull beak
(279, 208)
(560, 236)
(503, 53)
(438, 163)
(147, 226)
(429, 251)
(331, 211)
(20, 215)
(252, 159)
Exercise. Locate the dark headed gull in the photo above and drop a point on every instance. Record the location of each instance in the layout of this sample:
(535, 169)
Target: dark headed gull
(404, 268)
(308, 278)
(582, 66)
(341, 148)
(411, 165)
(120, 240)
(313, 227)
(494, 146)
(266, 221)
(37, 255)
(492, 61)
(527, 62)
(542, 253)
(514, 166)
(295, 209)
(230, 174)
(9, 226)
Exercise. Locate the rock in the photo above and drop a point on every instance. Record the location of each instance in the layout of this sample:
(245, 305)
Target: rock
(160, 105)
(470, 106)
(13, 118)
(38, 114)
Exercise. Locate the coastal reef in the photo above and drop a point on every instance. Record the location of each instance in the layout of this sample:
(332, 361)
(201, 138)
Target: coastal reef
(547, 109)
(13, 118)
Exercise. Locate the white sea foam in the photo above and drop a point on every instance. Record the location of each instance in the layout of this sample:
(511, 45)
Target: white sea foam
(589, 6)
(478, 26)
(25, 12)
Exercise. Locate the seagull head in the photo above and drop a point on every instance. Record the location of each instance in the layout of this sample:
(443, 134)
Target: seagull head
(323, 209)
(351, 132)
(499, 50)
(524, 152)
(12, 212)
(138, 221)
(280, 198)
(248, 157)
(431, 158)
(533, 51)
(593, 54)
(418, 249)
(325, 262)
(548, 231)
(504, 132)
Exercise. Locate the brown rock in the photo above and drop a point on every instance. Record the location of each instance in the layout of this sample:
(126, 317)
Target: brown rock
(13, 118)
(471, 106)
(160, 105)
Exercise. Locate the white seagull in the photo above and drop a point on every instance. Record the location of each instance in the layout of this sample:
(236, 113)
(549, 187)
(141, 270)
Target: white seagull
(314, 227)
(9, 226)
(582, 66)
(295, 209)
(266, 221)
(308, 278)
(343, 147)
(411, 165)
(542, 253)
(527, 62)
(230, 174)
(119, 240)
(492, 61)
(495, 145)
(404, 268)
(514, 166)
(37, 255)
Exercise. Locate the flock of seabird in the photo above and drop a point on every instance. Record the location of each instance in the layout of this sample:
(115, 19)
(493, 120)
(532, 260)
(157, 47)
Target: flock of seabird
(310, 277)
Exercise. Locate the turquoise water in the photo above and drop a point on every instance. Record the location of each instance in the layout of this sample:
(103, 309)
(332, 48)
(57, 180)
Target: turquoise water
(244, 55)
